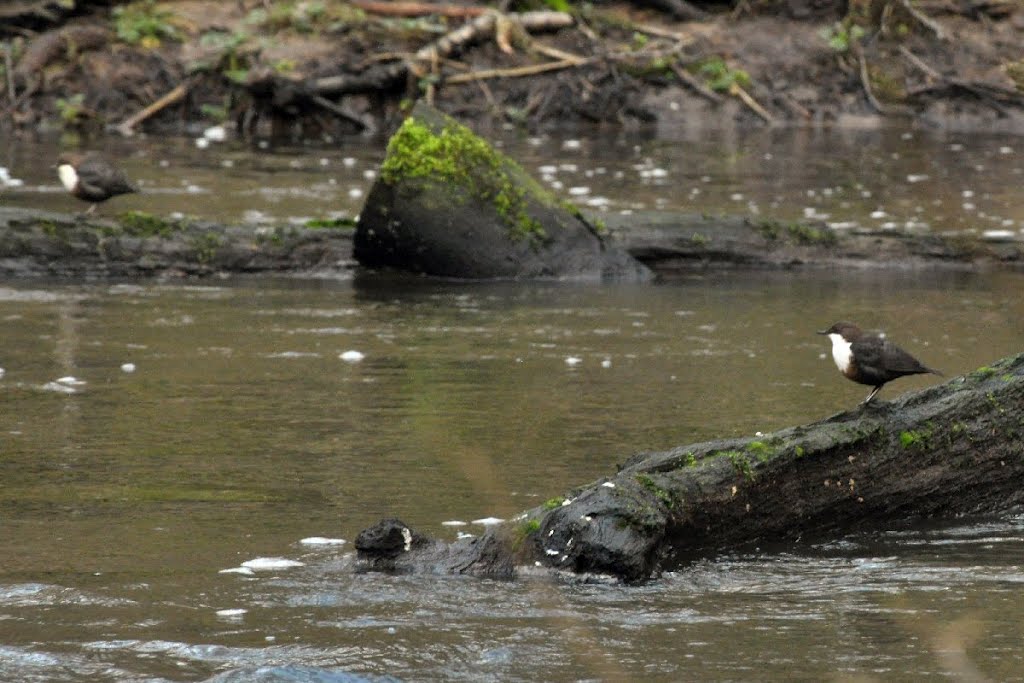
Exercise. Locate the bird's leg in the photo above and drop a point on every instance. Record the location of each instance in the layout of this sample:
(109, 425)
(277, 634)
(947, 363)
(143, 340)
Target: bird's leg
(871, 395)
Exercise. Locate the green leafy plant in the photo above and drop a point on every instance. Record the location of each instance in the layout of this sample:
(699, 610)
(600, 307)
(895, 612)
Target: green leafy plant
(72, 110)
(841, 37)
(145, 24)
(721, 77)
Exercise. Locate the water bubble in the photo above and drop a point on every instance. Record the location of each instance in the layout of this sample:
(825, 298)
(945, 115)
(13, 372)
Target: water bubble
(127, 367)
(352, 356)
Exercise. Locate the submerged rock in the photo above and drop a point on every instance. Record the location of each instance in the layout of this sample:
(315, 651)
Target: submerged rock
(447, 204)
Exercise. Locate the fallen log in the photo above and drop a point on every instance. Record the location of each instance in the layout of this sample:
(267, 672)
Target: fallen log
(952, 449)
(137, 244)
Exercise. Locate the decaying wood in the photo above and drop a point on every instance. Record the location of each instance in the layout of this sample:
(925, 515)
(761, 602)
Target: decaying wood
(127, 127)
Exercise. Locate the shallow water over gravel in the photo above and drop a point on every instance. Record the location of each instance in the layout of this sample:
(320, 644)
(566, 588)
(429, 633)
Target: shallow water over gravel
(184, 520)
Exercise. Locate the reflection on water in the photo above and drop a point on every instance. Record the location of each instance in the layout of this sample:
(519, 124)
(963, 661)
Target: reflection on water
(879, 179)
(242, 432)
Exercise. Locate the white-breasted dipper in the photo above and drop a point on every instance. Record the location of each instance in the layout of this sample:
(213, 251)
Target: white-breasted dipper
(92, 178)
(870, 358)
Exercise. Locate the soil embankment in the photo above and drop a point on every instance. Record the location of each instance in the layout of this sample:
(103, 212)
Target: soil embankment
(346, 68)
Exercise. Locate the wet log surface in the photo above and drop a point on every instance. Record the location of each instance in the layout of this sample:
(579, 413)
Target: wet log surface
(949, 450)
(40, 243)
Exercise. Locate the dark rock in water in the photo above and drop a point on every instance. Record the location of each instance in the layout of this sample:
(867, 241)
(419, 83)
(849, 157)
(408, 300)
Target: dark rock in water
(447, 204)
(388, 538)
(391, 545)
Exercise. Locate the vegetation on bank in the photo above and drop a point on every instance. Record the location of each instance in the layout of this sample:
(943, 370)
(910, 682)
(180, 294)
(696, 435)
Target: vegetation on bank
(341, 67)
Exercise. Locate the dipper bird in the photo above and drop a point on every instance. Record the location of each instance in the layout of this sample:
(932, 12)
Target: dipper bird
(870, 358)
(92, 178)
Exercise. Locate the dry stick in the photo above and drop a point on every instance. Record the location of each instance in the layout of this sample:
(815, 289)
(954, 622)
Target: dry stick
(555, 53)
(516, 71)
(663, 33)
(339, 111)
(748, 100)
(126, 127)
(920, 64)
(417, 9)
(484, 25)
(923, 19)
(865, 81)
(694, 82)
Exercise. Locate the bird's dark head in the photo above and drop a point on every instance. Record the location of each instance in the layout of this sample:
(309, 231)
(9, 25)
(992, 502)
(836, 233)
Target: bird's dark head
(72, 159)
(846, 330)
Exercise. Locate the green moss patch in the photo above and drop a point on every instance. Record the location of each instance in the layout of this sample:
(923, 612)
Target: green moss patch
(331, 223)
(459, 158)
(142, 224)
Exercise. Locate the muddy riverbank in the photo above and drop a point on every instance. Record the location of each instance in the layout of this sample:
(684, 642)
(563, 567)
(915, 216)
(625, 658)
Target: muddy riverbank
(316, 70)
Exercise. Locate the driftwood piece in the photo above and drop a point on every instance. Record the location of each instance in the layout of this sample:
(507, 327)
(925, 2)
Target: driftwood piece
(127, 127)
(952, 449)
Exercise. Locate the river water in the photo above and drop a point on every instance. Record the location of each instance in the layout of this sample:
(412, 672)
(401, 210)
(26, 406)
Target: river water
(184, 508)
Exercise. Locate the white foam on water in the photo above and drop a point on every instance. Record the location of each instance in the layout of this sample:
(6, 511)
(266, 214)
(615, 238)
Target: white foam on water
(59, 388)
(271, 563)
(322, 540)
(237, 570)
(351, 356)
(231, 613)
(127, 367)
(453, 522)
(488, 521)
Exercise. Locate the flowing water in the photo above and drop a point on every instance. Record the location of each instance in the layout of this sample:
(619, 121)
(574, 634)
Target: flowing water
(156, 436)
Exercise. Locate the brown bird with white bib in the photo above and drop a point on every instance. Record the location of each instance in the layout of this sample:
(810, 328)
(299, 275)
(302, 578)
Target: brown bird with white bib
(870, 358)
(92, 178)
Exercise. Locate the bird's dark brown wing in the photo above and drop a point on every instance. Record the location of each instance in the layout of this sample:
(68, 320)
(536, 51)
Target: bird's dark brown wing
(887, 359)
(99, 180)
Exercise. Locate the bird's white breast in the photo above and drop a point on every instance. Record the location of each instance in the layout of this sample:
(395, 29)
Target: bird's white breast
(841, 352)
(68, 176)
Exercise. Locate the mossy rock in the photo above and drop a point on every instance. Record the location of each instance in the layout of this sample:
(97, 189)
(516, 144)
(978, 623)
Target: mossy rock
(448, 204)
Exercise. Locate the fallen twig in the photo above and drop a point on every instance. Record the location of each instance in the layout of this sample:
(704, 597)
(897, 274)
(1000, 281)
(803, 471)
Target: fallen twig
(748, 100)
(695, 83)
(516, 72)
(9, 73)
(127, 127)
(920, 64)
(865, 81)
(923, 19)
(417, 9)
(341, 112)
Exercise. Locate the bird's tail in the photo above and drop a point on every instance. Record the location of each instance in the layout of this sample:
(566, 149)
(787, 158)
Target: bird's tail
(933, 371)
